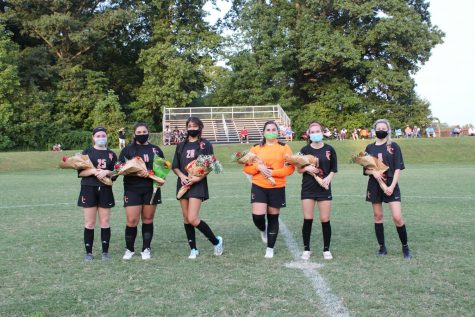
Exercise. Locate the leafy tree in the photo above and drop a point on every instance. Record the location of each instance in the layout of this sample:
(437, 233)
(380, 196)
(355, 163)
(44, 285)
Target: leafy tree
(107, 113)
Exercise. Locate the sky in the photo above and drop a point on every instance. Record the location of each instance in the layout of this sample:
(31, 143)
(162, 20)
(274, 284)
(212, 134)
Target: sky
(447, 80)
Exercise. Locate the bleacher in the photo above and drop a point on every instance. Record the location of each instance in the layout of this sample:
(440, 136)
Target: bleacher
(223, 124)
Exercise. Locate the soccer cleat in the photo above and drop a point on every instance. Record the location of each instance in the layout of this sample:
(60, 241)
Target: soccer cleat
(382, 251)
(88, 257)
(406, 252)
(105, 256)
(193, 254)
(128, 254)
(218, 249)
(264, 236)
(327, 255)
(269, 253)
(306, 255)
(145, 254)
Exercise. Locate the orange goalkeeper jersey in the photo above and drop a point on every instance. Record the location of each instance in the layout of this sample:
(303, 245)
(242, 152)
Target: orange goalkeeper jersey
(273, 157)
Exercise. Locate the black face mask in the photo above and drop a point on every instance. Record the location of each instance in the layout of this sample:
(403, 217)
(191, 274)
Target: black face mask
(381, 134)
(141, 138)
(193, 133)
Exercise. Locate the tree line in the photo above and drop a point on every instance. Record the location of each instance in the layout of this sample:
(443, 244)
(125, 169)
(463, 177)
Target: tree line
(69, 65)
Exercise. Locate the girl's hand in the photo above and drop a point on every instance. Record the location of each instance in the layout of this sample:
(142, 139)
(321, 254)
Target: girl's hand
(311, 169)
(264, 170)
(100, 174)
(326, 181)
(185, 181)
(389, 191)
(143, 174)
(379, 176)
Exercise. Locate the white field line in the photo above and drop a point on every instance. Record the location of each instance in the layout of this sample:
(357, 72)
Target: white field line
(332, 305)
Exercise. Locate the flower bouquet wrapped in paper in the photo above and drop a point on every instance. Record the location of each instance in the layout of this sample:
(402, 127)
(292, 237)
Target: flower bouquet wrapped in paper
(161, 168)
(301, 160)
(200, 167)
(81, 162)
(135, 165)
(250, 158)
(371, 163)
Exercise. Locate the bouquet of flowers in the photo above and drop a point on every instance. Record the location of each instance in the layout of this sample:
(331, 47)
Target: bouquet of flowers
(200, 167)
(135, 165)
(81, 162)
(250, 158)
(371, 163)
(301, 160)
(161, 168)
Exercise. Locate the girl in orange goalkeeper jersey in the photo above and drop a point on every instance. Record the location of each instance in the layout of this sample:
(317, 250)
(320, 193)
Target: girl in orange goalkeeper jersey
(268, 184)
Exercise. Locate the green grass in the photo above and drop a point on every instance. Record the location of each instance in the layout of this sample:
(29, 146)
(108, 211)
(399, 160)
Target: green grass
(42, 274)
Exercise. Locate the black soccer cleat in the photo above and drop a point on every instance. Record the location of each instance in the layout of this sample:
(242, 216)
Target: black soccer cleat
(382, 251)
(406, 252)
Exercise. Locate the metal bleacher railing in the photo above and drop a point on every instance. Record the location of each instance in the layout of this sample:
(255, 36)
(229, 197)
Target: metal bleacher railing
(223, 124)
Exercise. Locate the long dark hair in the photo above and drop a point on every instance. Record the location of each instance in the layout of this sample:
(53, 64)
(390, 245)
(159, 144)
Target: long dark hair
(134, 141)
(263, 141)
(200, 125)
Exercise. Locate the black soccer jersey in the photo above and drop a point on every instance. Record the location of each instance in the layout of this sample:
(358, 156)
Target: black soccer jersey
(390, 154)
(327, 163)
(102, 159)
(147, 152)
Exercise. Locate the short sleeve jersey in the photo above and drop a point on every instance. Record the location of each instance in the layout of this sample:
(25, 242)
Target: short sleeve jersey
(389, 154)
(327, 162)
(187, 152)
(102, 159)
(147, 152)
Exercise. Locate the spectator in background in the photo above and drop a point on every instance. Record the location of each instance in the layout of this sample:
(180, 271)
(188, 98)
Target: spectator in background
(430, 132)
(471, 131)
(57, 147)
(327, 133)
(121, 138)
(354, 135)
(176, 136)
(244, 135)
(456, 131)
(343, 134)
(364, 134)
(398, 133)
(416, 132)
(336, 135)
(372, 134)
(167, 136)
(408, 131)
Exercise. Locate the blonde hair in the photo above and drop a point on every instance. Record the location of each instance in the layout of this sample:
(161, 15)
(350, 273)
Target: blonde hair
(386, 122)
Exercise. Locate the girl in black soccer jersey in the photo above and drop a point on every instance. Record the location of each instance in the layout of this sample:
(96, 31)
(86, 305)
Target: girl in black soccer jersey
(390, 154)
(312, 192)
(138, 191)
(95, 197)
(187, 151)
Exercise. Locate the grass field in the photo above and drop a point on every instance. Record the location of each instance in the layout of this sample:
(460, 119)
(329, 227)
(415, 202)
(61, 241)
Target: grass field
(42, 273)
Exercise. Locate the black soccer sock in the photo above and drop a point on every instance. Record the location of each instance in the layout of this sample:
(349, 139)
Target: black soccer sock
(327, 235)
(105, 238)
(379, 229)
(259, 221)
(306, 233)
(206, 230)
(401, 231)
(88, 239)
(190, 235)
(147, 235)
(272, 229)
(130, 235)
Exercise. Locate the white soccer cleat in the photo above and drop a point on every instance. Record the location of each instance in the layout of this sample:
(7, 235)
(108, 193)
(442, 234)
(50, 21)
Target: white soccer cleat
(145, 254)
(218, 249)
(264, 236)
(327, 255)
(193, 254)
(269, 253)
(128, 254)
(306, 255)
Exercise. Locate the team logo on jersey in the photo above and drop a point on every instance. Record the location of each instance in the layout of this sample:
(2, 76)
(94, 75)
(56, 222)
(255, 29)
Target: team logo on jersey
(253, 196)
(202, 145)
(126, 199)
(369, 195)
(154, 150)
(328, 155)
(83, 199)
(390, 149)
(111, 156)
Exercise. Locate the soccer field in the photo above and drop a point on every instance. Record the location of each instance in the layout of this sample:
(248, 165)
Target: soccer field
(41, 250)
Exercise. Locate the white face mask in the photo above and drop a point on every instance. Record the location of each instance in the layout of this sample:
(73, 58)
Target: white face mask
(100, 141)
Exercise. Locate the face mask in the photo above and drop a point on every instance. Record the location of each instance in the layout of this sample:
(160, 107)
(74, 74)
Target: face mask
(316, 137)
(100, 141)
(270, 135)
(381, 134)
(141, 138)
(193, 133)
